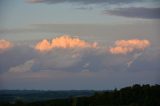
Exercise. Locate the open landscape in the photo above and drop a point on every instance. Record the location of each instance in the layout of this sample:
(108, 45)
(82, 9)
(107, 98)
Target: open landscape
(79, 53)
(135, 95)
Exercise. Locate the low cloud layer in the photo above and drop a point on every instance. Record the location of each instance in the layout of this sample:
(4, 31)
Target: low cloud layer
(128, 46)
(4, 44)
(64, 41)
(136, 12)
(24, 66)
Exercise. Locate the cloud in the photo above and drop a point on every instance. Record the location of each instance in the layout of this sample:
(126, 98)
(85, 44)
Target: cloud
(15, 56)
(83, 1)
(80, 56)
(136, 12)
(64, 41)
(143, 70)
(128, 46)
(59, 59)
(23, 67)
(135, 57)
(4, 45)
(148, 61)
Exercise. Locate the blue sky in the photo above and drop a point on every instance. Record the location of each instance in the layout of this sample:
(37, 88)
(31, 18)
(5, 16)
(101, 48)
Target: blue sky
(95, 60)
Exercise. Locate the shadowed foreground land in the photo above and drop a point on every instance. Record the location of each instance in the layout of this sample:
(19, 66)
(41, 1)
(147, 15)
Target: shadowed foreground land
(135, 95)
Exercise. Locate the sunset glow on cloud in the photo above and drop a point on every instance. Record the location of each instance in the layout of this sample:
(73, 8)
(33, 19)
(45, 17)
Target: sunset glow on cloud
(64, 41)
(4, 44)
(127, 46)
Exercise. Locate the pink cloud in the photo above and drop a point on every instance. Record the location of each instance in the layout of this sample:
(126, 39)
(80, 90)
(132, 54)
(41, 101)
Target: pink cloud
(127, 46)
(64, 41)
(4, 44)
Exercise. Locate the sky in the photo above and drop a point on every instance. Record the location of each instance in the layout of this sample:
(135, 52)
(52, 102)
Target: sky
(79, 44)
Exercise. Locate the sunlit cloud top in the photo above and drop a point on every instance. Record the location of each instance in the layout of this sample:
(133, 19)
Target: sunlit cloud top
(127, 46)
(4, 44)
(64, 41)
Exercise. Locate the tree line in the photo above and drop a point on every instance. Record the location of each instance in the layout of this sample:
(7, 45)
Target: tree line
(136, 95)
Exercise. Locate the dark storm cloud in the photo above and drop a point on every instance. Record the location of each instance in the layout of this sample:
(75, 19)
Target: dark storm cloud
(139, 12)
(83, 1)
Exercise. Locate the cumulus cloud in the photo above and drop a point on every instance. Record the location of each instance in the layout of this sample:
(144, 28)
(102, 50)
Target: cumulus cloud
(128, 46)
(4, 44)
(23, 66)
(64, 41)
(80, 56)
(136, 12)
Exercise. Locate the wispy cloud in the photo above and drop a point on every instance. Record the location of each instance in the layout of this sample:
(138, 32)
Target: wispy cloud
(23, 67)
(130, 62)
(136, 12)
(127, 46)
(83, 1)
(64, 41)
(16, 56)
